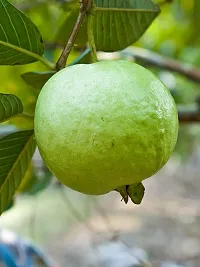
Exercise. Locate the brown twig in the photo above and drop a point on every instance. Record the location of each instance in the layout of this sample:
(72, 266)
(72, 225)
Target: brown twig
(85, 6)
(189, 116)
(164, 63)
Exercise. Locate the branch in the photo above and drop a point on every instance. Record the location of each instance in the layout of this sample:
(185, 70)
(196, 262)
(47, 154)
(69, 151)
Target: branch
(164, 63)
(189, 116)
(85, 6)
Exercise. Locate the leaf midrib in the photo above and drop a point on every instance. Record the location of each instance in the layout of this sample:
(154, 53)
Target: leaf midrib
(29, 53)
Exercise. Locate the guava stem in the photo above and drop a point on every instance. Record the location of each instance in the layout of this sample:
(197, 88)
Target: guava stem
(90, 34)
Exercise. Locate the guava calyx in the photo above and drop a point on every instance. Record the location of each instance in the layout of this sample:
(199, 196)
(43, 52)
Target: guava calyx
(134, 192)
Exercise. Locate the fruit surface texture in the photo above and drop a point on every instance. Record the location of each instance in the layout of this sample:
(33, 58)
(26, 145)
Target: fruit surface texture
(104, 125)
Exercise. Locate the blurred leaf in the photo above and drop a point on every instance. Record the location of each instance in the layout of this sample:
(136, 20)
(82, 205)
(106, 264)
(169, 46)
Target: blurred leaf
(10, 105)
(118, 24)
(41, 182)
(19, 37)
(33, 183)
(37, 79)
(67, 27)
(70, 5)
(43, 13)
(16, 151)
(196, 11)
(195, 38)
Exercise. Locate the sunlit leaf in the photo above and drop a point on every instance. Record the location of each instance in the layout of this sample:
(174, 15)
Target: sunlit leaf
(19, 37)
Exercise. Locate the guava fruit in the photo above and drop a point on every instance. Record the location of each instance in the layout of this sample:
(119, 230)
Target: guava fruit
(105, 126)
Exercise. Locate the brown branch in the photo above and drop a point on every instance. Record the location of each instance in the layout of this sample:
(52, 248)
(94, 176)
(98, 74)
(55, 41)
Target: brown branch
(164, 63)
(85, 5)
(189, 116)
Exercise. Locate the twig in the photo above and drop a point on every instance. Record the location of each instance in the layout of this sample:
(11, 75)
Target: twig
(85, 5)
(189, 116)
(164, 62)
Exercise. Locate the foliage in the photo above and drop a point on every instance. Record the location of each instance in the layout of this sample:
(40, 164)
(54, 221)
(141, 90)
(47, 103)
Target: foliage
(32, 36)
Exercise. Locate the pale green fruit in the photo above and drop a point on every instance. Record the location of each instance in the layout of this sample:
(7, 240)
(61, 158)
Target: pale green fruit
(104, 125)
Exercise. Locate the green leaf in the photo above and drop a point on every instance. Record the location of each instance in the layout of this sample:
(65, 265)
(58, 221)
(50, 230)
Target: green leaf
(19, 37)
(10, 105)
(37, 79)
(136, 193)
(16, 151)
(10, 205)
(117, 23)
(28, 180)
(120, 23)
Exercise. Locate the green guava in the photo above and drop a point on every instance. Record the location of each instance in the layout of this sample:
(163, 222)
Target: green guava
(105, 126)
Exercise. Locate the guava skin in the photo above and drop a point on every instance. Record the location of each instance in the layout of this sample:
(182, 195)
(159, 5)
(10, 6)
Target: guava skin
(104, 125)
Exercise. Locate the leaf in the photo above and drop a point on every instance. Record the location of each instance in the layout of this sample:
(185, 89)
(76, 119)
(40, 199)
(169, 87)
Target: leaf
(70, 5)
(37, 79)
(10, 105)
(33, 183)
(10, 205)
(28, 180)
(120, 23)
(117, 23)
(136, 193)
(16, 151)
(19, 37)
(41, 183)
